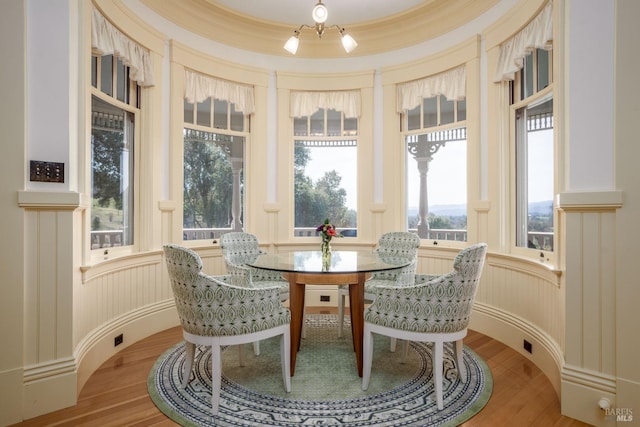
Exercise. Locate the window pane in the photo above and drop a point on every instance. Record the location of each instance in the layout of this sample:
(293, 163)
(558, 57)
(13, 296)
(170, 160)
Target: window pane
(413, 119)
(213, 184)
(333, 123)
(188, 112)
(534, 176)
(94, 71)
(220, 113)
(430, 112)
(111, 175)
(462, 110)
(350, 127)
(237, 119)
(446, 111)
(437, 184)
(204, 113)
(543, 69)
(317, 123)
(106, 74)
(300, 126)
(122, 80)
(527, 77)
(325, 186)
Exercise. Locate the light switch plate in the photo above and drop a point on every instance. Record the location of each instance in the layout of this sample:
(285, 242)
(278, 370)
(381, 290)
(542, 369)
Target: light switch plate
(46, 171)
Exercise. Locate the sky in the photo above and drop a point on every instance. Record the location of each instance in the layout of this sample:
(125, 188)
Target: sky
(447, 177)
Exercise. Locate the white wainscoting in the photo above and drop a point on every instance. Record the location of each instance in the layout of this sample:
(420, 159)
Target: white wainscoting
(517, 299)
(130, 296)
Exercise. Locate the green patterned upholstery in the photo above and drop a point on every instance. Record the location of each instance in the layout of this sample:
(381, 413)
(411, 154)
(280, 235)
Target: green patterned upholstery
(392, 245)
(209, 305)
(215, 313)
(434, 308)
(238, 249)
(396, 244)
(433, 303)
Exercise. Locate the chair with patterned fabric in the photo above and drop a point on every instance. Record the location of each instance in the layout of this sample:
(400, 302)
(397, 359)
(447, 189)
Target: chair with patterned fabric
(215, 313)
(434, 309)
(396, 244)
(240, 248)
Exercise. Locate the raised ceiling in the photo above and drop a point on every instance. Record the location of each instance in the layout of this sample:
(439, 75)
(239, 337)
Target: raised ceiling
(342, 12)
(263, 26)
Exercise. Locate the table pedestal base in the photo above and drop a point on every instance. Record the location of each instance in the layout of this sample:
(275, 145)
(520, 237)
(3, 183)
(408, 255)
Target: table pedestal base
(297, 282)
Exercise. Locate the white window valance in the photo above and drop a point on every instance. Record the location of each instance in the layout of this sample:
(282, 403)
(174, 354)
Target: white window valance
(108, 40)
(306, 103)
(538, 34)
(198, 87)
(451, 84)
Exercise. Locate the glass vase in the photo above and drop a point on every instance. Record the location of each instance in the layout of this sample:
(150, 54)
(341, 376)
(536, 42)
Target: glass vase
(326, 254)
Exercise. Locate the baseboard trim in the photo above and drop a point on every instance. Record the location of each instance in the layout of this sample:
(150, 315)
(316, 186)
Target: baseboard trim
(511, 330)
(97, 346)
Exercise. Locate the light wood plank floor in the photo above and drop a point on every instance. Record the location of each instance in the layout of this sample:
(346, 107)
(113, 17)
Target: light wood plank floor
(116, 394)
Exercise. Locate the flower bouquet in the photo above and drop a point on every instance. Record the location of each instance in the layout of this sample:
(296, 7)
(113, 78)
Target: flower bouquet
(327, 232)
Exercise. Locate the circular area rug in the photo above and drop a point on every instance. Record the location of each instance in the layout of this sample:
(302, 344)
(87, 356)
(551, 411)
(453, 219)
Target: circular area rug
(325, 389)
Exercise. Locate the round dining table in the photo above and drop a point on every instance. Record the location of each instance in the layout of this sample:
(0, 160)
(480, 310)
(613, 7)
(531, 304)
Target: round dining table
(351, 268)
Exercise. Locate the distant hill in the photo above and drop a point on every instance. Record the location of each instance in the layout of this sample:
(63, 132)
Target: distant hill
(442, 210)
(545, 207)
(461, 210)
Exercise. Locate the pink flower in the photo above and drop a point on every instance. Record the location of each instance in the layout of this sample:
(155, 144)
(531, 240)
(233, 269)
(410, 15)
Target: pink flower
(328, 230)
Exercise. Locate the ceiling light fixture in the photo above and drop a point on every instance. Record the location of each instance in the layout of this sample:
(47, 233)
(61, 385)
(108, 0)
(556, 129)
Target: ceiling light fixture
(319, 15)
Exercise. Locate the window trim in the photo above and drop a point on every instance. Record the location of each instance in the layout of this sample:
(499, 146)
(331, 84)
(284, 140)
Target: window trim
(540, 254)
(246, 134)
(101, 254)
(404, 133)
(313, 138)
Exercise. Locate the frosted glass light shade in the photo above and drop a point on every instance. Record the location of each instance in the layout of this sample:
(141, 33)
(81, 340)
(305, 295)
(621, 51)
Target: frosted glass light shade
(291, 45)
(348, 43)
(319, 13)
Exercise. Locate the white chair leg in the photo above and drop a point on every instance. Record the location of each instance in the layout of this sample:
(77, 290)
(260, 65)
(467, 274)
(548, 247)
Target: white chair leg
(393, 344)
(340, 313)
(216, 378)
(462, 370)
(367, 357)
(437, 373)
(190, 350)
(285, 345)
(405, 351)
(256, 348)
(241, 354)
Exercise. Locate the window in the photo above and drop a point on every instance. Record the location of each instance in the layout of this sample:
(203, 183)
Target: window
(214, 142)
(436, 175)
(325, 169)
(114, 108)
(532, 104)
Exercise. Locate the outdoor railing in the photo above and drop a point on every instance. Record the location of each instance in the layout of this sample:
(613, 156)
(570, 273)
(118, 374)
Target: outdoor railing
(112, 238)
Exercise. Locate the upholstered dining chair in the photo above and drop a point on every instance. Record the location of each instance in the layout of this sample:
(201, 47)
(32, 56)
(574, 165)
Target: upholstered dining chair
(434, 309)
(395, 244)
(240, 248)
(215, 313)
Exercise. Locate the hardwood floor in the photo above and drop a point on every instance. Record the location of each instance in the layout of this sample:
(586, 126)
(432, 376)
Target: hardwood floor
(116, 394)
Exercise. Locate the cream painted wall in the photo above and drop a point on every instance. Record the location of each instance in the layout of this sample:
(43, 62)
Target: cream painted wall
(553, 305)
(13, 105)
(627, 152)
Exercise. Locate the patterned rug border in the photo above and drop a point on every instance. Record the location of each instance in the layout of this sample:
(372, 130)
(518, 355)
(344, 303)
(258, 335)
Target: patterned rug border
(352, 406)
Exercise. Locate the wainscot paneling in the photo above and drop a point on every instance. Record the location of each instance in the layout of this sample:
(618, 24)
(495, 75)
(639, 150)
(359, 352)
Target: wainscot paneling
(518, 299)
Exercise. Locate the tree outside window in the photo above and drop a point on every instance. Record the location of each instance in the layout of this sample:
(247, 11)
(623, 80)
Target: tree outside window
(114, 106)
(214, 139)
(325, 172)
